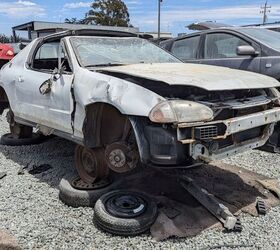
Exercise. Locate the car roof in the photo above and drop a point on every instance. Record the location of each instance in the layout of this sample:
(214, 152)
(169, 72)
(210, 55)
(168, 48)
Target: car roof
(90, 32)
(207, 25)
(230, 28)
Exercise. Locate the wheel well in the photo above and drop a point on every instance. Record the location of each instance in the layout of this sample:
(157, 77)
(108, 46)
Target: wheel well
(4, 102)
(103, 125)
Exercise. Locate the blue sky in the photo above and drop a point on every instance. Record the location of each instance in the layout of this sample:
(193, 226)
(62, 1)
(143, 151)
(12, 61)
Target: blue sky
(176, 14)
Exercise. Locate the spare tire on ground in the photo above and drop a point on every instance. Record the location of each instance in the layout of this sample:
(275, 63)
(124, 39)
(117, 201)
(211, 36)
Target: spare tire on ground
(10, 140)
(125, 213)
(73, 192)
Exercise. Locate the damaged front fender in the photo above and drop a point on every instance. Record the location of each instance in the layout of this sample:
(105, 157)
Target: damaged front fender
(129, 98)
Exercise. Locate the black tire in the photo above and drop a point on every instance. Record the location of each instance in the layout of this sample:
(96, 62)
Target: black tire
(130, 226)
(9, 140)
(80, 198)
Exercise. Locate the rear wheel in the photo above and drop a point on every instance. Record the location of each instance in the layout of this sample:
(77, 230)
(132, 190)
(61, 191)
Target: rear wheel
(17, 130)
(20, 135)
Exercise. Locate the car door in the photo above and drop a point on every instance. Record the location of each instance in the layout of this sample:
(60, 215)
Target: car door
(187, 49)
(52, 109)
(220, 49)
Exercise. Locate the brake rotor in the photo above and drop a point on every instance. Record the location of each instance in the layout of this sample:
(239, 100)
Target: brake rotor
(90, 164)
(79, 184)
(121, 157)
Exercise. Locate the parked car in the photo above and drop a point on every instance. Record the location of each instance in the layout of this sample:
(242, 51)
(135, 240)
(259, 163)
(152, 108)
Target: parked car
(124, 100)
(252, 49)
(8, 51)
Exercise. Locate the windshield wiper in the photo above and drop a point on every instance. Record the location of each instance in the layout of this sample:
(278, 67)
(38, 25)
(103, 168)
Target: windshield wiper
(105, 65)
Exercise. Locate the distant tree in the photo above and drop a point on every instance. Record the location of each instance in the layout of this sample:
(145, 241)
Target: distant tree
(75, 20)
(108, 12)
(10, 39)
(4, 38)
(72, 20)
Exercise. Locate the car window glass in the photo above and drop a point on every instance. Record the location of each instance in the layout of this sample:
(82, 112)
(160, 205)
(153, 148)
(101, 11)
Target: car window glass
(47, 55)
(187, 48)
(100, 51)
(265, 36)
(221, 45)
(48, 51)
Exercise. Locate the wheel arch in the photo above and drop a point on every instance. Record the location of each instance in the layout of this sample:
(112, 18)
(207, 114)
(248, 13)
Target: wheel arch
(4, 101)
(105, 124)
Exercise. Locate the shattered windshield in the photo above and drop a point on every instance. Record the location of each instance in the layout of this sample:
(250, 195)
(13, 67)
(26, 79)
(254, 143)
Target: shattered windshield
(107, 51)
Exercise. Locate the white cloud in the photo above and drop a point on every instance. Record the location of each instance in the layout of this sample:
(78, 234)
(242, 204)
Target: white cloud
(21, 9)
(26, 3)
(187, 14)
(77, 5)
(133, 2)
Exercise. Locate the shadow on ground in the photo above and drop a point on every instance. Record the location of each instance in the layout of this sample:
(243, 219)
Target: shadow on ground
(180, 214)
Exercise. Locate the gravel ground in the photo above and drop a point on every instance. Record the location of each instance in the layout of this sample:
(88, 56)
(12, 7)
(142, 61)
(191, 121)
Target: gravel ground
(31, 211)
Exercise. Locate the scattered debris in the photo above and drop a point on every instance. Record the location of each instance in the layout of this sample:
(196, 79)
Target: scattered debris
(40, 169)
(261, 207)
(2, 175)
(238, 226)
(21, 170)
(220, 211)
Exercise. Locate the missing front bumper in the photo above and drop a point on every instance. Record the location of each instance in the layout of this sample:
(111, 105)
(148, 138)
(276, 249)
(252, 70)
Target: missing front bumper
(199, 151)
(188, 132)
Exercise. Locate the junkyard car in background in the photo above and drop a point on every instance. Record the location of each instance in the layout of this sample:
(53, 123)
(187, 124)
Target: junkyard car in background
(124, 100)
(8, 51)
(252, 49)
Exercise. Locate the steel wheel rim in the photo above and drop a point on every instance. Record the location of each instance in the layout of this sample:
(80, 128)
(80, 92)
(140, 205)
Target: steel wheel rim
(90, 164)
(126, 205)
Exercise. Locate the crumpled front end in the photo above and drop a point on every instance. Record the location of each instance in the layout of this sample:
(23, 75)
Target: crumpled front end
(240, 121)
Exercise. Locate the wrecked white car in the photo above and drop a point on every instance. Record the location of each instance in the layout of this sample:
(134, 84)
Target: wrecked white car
(124, 100)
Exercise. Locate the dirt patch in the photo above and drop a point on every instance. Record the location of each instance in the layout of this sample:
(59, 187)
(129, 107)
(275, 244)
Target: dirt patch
(7, 241)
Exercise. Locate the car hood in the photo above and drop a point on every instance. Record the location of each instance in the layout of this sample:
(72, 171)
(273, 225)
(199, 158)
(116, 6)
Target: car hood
(207, 77)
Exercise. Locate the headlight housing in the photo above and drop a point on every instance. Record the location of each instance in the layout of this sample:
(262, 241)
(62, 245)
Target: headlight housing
(179, 111)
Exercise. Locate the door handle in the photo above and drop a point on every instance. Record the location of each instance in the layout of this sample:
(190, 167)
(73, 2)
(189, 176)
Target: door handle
(20, 79)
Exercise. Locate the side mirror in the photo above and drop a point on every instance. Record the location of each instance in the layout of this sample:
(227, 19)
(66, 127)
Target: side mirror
(46, 87)
(246, 50)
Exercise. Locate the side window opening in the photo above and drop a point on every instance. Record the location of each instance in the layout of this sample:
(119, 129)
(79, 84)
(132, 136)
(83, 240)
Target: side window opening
(222, 45)
(47, 57)
(186, 49)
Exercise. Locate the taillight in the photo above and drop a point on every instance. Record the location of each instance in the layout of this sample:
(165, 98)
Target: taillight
(9, 53)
